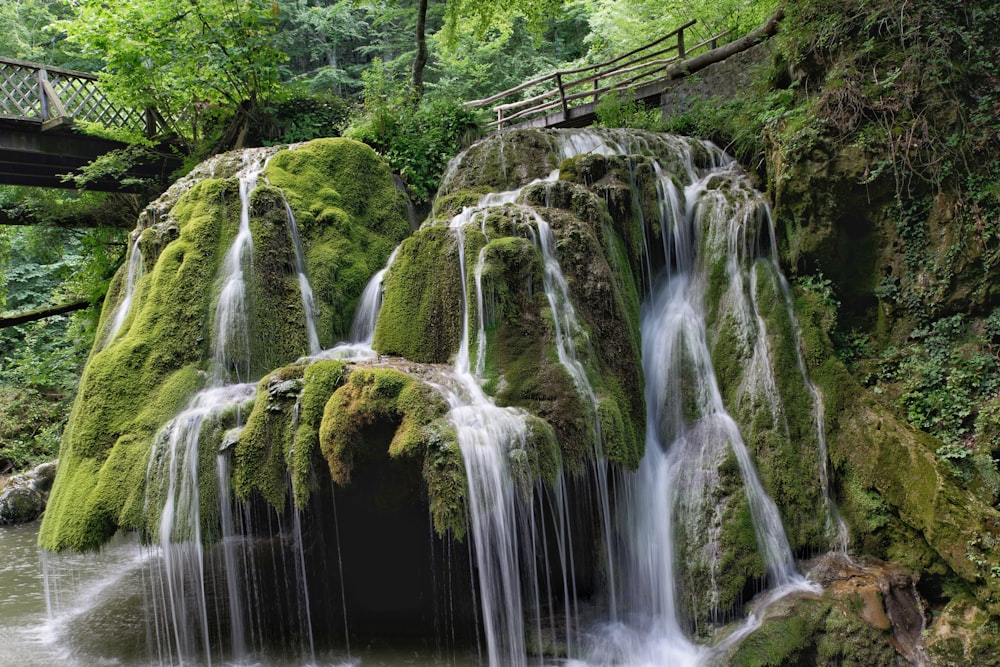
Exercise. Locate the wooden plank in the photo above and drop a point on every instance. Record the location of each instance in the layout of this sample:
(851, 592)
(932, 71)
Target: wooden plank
(51, 97)
(510, 91)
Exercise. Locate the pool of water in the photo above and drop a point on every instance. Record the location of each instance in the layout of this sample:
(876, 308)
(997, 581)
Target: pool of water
(92, 610)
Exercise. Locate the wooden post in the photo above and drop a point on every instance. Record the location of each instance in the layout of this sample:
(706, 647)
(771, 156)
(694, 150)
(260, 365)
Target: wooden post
(499, 119)
(150, 117)
(596, 86)
(43, 77)
(562, 96)
(680, 43)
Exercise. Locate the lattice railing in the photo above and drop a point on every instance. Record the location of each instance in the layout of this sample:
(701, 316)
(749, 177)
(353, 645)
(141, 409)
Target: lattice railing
(33, 92)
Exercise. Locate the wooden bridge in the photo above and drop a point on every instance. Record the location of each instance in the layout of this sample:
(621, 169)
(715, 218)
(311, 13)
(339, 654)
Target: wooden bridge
(38, 108)
(569, 98)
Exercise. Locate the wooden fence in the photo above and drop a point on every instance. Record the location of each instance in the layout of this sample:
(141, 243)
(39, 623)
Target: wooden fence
(54, 97)
(639, 67)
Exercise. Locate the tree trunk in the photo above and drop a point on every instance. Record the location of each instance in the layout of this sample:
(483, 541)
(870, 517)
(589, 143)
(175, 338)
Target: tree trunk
(420, 61)
(42, 313)
(721, 53)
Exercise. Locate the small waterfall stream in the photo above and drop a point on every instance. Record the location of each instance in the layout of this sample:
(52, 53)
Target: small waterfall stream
(133, 274)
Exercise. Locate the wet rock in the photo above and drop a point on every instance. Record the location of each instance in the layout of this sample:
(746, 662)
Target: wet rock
(884, 595)
(24, 496)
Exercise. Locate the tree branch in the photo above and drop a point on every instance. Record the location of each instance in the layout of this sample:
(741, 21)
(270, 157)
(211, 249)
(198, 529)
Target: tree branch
(42, 313)
(118, 211)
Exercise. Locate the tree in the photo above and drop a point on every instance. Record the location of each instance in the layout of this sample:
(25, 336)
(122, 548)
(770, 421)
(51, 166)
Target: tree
(482, 15)
(184, 58)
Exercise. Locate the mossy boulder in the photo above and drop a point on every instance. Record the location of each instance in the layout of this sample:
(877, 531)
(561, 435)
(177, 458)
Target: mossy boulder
(350, 216)
(421, 316)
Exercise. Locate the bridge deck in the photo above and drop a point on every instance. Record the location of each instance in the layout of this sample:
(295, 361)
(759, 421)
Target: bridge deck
(38, 108)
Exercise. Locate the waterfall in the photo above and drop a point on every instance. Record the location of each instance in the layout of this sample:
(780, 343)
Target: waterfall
(485, 434)
(133, 274)
(231, 336)
(172, 479)
(308, 305)
(180, 583)
(567, 329)
(649, 542)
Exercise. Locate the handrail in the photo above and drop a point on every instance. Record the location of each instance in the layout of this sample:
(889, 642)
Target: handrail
(610, 76)
(56, 96)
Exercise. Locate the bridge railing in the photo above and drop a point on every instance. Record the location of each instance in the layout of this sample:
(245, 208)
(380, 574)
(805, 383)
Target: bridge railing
(53, 96)
(617, 76)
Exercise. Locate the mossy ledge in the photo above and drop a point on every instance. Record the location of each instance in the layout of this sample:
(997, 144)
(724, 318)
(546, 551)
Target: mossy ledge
(374, 402)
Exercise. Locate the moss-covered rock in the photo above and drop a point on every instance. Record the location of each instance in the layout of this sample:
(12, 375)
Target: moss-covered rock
(421, 316)
(350, 217)
(376, 404)
(801, 631)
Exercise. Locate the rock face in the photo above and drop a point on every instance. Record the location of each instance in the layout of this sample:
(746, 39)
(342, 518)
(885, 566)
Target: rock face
(531, 324)
(23, 496)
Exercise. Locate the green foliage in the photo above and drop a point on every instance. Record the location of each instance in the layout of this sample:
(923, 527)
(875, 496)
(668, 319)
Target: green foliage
(616, 110)
(619, 26)
(477, 66)
(41, 361)
(180, 62)
(26, 33)
(304, 116)
(417, 140)
(945, 375)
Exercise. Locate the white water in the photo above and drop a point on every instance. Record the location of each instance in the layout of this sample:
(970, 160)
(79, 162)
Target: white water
(486, 434)
(182, 631)
(133, 274)
(308, 303)
(231, 335)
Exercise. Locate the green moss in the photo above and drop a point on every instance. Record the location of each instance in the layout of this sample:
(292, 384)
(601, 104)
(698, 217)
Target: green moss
(259, 457)
(453, 203)
(964, 634)
(350, 217)
(444, 473)
(321, 380)
(277, 319)
(538, 460)
(810, 631)
(741, 561)
(134, 385)
(504, 161)
(786, 641)
(421, 316)
(378, 402)
(786, 449)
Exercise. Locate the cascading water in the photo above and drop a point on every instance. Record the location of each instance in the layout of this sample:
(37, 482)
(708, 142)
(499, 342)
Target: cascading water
(689, 431)
(181, 626)
(486, 433)
(308, 303)
(231, 336)
(133, 275)
(525, 542)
